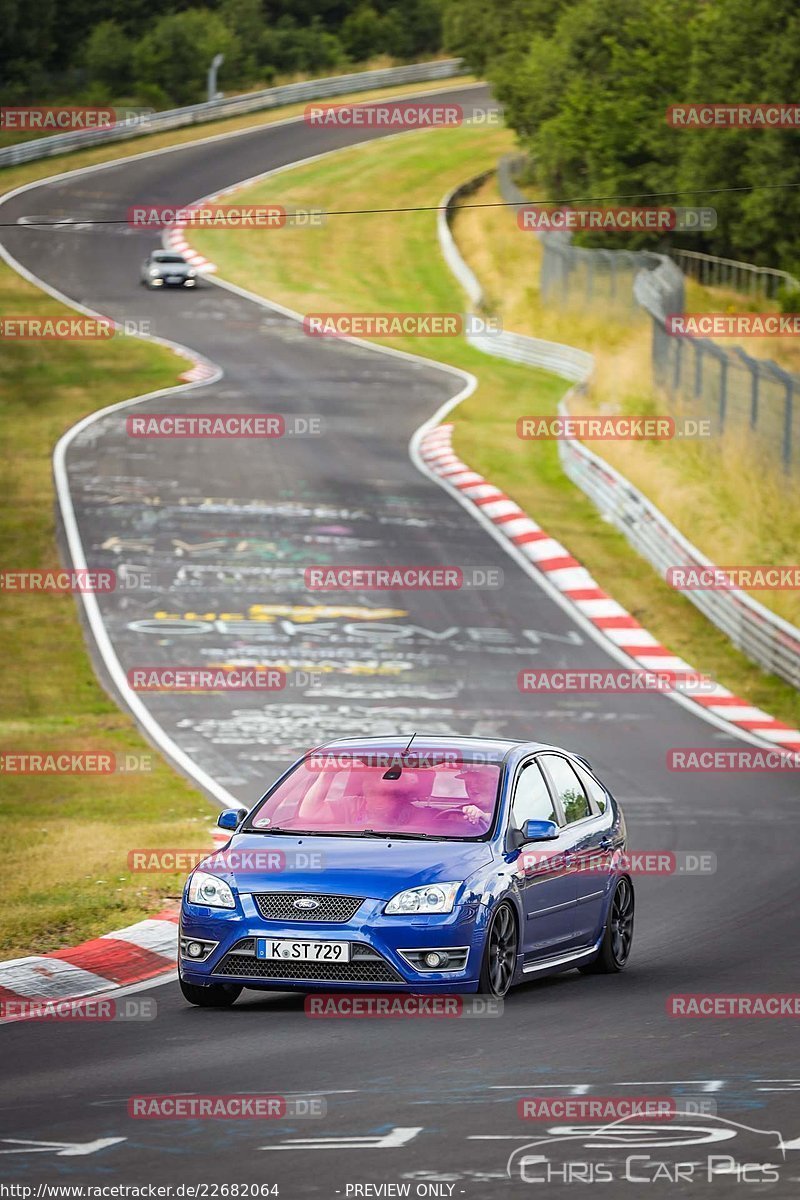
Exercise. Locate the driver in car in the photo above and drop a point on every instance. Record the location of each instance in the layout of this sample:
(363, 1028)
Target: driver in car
(479, 810)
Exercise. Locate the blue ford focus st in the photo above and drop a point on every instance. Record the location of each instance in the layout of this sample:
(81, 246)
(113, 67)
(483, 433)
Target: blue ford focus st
(436, 865)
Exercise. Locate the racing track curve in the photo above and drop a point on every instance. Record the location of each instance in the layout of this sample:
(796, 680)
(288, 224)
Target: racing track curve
(223, 527)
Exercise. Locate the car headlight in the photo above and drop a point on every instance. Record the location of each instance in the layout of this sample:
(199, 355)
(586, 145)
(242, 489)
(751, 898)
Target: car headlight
(207, 889)
(191, 274)
(433, 898)
(153, 271)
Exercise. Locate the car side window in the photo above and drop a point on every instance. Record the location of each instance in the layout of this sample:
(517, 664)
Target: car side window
(532, 799)
(595, 791)
(574, 800)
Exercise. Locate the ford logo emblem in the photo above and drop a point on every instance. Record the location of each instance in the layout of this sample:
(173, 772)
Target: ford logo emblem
(306, 903)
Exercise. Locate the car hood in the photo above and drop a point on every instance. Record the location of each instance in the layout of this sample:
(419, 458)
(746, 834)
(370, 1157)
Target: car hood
(165, 268)
(368, 867)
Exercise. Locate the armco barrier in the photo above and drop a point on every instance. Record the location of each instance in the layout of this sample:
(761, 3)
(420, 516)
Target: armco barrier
(763, 636)
(742, 396)
(231, 106)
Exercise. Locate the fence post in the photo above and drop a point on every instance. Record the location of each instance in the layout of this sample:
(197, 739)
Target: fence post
(698, 370)
(676, 380)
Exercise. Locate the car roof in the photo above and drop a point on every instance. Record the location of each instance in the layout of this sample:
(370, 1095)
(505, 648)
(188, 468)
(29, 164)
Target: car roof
(498, 749)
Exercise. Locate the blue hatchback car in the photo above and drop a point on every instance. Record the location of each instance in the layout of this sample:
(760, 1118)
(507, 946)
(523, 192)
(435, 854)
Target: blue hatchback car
(432, 865)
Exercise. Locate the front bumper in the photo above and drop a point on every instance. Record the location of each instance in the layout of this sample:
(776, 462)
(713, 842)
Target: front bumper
(377, 942)
(164, 281)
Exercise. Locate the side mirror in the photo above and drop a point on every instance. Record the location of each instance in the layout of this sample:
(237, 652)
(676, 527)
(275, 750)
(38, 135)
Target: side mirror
(540, 831)
(231, 818)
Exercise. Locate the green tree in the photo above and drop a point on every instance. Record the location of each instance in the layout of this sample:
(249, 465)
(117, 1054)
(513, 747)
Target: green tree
(746, 50)
(245, 21)
(26, 47)
(175, 54)
(364, 33)
(108, 56)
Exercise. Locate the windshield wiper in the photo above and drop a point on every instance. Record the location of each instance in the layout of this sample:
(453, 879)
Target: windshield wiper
(278, 829)
(409, 837)
(350, 833)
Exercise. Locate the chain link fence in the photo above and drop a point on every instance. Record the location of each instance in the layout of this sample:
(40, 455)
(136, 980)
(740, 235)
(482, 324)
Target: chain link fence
(765, 637)
(743, 277)
(750, 398)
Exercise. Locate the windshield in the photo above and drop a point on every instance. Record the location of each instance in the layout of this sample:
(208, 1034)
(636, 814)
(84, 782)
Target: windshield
(331, 795)
(168, 258)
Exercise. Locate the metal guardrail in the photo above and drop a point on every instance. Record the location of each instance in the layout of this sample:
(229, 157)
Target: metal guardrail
(750, 398)
(231, 106)
(573, 363)
(762, 635)
(712, 271)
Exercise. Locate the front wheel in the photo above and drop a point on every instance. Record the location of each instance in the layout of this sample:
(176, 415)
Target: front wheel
(216, 995)
(500, 956)
(615, 948)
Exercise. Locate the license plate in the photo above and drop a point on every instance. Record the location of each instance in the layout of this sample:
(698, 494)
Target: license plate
(174, 279)
(324, 952)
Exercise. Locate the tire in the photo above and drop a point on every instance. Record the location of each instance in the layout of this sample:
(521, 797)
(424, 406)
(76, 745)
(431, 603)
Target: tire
(216, 995)
(615, 947)
(500, 954)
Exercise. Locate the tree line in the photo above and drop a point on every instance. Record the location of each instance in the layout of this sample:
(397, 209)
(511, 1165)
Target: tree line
(115, 52)
(586, 85)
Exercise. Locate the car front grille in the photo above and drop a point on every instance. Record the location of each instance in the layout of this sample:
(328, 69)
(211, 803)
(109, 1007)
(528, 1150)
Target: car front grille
(365, 966)
(280, 906)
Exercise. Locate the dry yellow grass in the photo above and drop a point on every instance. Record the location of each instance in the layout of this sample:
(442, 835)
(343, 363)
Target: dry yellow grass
(735, 508)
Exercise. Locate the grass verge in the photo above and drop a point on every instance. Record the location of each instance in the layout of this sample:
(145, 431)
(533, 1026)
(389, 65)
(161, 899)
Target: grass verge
(734, 506)
(64, 858)
(13, 177)
(385, 261)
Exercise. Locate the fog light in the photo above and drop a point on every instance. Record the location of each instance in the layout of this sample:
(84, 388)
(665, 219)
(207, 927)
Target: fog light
(435, 959)
(195, 950)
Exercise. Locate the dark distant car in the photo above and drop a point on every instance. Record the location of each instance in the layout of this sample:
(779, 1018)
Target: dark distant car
(165, 268)
(463, 865)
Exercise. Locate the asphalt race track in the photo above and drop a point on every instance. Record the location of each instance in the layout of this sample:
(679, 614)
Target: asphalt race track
(224, 529)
